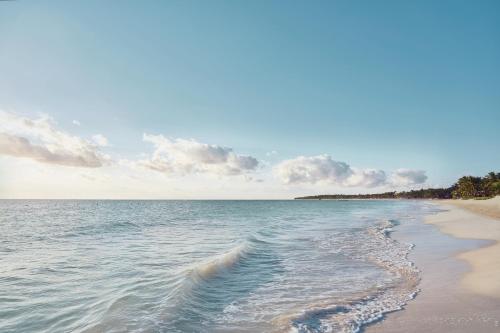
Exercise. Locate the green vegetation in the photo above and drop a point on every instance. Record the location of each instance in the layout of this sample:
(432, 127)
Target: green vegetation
(467, 187)
(476, 187)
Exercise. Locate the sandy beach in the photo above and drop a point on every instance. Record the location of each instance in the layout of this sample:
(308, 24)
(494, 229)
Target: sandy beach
(490, 207)
(458, 252)
(464, 222)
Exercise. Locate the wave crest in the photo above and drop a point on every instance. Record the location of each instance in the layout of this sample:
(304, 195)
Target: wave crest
(216, 265)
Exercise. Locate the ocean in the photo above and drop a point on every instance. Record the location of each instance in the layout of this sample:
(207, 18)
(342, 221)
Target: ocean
(203, 266)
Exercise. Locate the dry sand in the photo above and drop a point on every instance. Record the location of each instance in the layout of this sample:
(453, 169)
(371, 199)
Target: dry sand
(490, 207)
(458, 252)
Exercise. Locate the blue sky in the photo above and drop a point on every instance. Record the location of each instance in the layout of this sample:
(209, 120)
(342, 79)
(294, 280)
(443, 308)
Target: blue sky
(384, 85)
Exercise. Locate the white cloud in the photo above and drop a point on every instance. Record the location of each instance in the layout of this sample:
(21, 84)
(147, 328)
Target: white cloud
(100, 140)
(323, 169)
(39, 140)
(271, 153)
(312, 170)
(181, 156)
(366, 178)
(76, 123)
(405, 177)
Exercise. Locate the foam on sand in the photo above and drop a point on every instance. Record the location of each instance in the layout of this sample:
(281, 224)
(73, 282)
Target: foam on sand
(350, 315)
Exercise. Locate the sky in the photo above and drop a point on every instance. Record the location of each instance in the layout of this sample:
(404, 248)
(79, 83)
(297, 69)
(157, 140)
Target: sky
(245, 99)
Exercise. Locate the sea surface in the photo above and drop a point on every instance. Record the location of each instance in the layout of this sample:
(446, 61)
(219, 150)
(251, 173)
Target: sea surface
(203, 266)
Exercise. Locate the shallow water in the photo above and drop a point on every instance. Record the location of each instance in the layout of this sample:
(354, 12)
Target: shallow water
(202, 266)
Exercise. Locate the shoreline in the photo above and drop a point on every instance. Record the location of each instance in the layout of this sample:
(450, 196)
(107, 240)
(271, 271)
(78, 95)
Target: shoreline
(458, 253)
(475, 220)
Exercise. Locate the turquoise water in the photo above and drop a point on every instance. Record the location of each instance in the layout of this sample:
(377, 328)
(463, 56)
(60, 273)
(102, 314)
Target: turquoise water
(202, 266)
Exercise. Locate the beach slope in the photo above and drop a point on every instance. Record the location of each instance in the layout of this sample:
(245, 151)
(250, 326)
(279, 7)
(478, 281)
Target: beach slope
(458, 252)
(465, 222)
(489, 207)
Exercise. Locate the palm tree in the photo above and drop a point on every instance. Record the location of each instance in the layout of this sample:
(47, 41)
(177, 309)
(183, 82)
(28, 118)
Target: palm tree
(491, 184)
(492, 176)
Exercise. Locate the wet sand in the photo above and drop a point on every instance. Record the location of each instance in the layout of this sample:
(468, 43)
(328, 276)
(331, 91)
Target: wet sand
(456, 252)
(484, 275)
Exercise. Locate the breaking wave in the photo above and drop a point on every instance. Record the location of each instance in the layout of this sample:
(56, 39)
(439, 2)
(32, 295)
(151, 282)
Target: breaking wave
(221, 263)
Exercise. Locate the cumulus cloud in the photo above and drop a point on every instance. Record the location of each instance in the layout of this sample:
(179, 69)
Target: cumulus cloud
(76, 123)
(312, 170)
(39, 140)
(405, 177)
(366, 178)
(324, 169)
(181, 156)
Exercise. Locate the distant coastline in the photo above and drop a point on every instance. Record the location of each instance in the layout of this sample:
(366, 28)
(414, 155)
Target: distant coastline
(467, 187)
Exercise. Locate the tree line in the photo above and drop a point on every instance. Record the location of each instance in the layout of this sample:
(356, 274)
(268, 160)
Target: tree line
(466, 187)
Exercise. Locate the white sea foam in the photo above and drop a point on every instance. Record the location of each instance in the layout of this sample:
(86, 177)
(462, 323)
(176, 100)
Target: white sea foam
(350, 314)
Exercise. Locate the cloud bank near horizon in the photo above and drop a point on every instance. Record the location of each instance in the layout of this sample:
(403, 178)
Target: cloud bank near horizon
(183, 157)
(40, 140)
(405, 177)
(324, 169)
